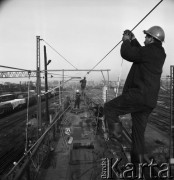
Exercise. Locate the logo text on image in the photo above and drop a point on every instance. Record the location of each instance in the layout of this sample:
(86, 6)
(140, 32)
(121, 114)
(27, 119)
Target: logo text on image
(113, 166)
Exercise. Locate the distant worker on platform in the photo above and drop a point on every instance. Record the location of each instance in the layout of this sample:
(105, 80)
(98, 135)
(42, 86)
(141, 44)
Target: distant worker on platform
(77, 100)
(83, 86)
(140, 92)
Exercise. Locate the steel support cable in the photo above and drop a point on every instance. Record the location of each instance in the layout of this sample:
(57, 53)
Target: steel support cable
(59, 54)
(121, 40)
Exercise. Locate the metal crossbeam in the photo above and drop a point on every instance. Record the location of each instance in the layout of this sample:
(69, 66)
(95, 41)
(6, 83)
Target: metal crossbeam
(16, 74)
(33, 73)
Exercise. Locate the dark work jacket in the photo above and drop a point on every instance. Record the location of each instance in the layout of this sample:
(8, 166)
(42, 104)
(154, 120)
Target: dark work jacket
(83, 83)
(78, 96)
(143, 80)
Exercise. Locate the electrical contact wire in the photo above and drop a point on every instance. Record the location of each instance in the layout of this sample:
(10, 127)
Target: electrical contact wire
(59, 54)
(121, 40)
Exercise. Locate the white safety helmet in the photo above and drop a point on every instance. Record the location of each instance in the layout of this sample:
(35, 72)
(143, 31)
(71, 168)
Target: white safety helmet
(77, 90)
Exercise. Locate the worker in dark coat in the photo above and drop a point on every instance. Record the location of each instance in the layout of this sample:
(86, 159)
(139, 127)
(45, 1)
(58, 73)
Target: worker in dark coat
(83, 85)
(77, 99)
(141, 88)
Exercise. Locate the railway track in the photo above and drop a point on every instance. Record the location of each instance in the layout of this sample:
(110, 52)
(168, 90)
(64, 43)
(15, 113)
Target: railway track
(10, 153)
(159, 118)
(19, 116)
(7, 159)
(9, 124)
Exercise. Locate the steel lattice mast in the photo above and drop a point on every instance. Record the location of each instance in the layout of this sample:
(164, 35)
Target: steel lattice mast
(38, 83)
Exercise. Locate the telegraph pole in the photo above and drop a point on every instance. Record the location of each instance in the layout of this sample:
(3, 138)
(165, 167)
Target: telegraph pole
(46, 85)
(38, 85)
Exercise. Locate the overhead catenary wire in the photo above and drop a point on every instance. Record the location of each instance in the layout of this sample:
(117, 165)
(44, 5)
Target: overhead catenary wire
(8, 67)
(59, 53)
(121, 40)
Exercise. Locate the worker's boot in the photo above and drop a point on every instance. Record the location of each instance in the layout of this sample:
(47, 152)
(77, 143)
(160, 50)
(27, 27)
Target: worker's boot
(114, 138)
(114, 132)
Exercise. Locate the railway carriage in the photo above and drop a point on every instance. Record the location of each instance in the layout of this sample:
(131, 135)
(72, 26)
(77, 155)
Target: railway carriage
(6, 97)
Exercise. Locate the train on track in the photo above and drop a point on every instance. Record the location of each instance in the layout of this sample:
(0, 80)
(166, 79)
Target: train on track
(13, 102)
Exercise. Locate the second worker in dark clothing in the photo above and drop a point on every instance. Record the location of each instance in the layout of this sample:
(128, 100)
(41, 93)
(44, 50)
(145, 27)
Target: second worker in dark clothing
(83, 86)
(141, 88)
(77, 100)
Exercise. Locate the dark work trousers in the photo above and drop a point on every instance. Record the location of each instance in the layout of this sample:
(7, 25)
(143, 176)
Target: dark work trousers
(126, 104)
(77, 103)
(83, 91)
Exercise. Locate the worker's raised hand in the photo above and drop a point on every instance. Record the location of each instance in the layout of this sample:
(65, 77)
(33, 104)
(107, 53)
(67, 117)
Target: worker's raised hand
(128, 35)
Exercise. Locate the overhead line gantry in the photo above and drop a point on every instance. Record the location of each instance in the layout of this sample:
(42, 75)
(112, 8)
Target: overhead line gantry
(33, 73)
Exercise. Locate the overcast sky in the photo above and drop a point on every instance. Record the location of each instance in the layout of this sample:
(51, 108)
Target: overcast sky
(83, 31)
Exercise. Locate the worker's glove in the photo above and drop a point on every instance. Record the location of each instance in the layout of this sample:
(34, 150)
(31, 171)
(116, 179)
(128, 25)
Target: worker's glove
(128, 35)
